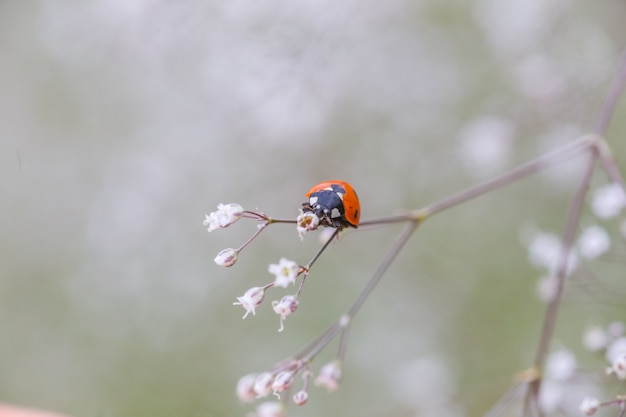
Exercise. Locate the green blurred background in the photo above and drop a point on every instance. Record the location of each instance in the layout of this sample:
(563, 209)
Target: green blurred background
(123, 122)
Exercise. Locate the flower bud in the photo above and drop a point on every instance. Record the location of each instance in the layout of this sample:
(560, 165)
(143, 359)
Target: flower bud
(300, 397)
(589, 406)
(227, 257)
(329, 376)
(282, 381)
(245, 388)
(263, 384)
(251, 298)
(287, 305)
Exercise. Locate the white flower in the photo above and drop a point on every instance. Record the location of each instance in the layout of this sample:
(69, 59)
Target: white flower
(329, 376)
(285, 272)
(618, 366)
(270, 409)
(225, 215)
(227, 257)
(545, 250)
(300, 397)
(245, 388)
(593, 242)
(263, 384)
(617, 347)
(608, 201)
(589, 406)
(595, 339)
(250, 299)
(560, 365)
(287, 305)
(306, 222)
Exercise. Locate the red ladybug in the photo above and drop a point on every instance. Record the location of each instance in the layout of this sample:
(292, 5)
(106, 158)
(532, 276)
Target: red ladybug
(335, 203)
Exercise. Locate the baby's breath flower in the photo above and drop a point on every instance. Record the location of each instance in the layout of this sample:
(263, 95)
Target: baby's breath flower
(618, 366)
(300, 397)
(227, 257)
(608, 201)
(263, 384)
(560, 365)
(595, 339)
(245, 388)
(250, 299)
(285, 272)
(287, 305)
(282, 381)
(593, 242)
(589, 406)
(224, 216)
(617, 347)
(270, 409)
(545, 250)
(307, 222)
(329, 376)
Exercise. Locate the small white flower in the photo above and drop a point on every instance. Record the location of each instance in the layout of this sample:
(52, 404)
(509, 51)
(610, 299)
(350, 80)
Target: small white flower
(589, 406)
(287, 305)
(595, 339)
(545, 250)
(608, 201)
(617, 347)
(263, 384)
(250, 299)
(245, 388)
(551, 396)
(618, 366)
(227, 257)
(560, 365)
(270, 409)
(285, 272)
(329, 376)
(282, 381)
(593, 242)
(300, 397)
(224, 216)
(306, 222)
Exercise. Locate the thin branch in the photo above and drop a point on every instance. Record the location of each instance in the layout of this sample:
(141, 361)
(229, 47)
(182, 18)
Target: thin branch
(615, 92)
(567, 241)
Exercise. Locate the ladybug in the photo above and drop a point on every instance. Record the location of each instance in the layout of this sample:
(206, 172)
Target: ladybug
(335, 203)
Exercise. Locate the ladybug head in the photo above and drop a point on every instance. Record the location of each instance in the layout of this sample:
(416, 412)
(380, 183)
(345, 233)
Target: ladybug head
(328, 207)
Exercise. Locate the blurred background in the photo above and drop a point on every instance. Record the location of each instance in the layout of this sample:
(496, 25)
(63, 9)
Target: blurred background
(123, 123)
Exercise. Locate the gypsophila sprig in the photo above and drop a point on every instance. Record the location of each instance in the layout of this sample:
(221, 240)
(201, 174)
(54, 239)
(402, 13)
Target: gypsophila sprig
(334, 206)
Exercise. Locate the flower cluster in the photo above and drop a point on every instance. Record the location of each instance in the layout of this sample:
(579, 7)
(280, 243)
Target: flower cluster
(545, 248)
(285, 273)
(281, 380)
